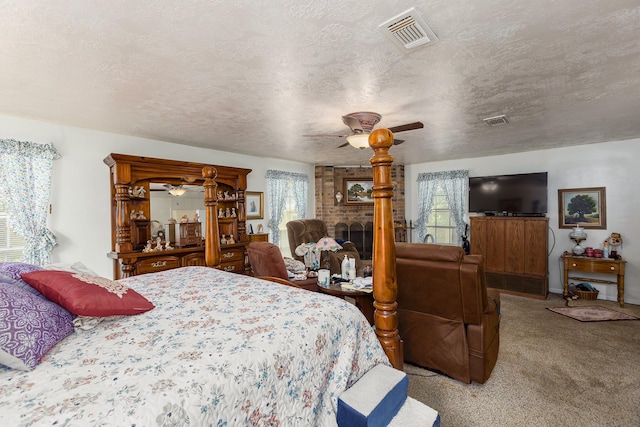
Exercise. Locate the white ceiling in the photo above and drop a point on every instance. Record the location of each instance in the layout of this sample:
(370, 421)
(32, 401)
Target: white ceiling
(253, 76)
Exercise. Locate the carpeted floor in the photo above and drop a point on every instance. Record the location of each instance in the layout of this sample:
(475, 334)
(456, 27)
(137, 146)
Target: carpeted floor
(551, 371)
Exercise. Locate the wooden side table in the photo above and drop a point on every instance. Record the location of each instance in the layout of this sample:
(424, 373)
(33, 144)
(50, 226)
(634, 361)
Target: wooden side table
(594, 265)
(364, 300)
(258, 237)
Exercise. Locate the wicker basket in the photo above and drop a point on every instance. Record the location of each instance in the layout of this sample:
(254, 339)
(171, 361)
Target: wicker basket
(590, 295)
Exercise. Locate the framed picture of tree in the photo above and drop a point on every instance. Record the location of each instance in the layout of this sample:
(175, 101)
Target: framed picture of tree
(358, 191)
(584, 206)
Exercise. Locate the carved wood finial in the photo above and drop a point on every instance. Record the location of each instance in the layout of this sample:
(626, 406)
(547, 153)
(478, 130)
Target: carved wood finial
(385, 285)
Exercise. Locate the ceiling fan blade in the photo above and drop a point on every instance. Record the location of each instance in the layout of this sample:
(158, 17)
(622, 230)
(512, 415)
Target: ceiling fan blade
(342, 145)
(398, 141)
(408, 126)
(324, 135)
(353, 123)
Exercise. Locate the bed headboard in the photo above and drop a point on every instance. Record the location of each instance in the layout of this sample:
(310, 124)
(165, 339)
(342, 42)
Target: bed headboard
(385, 288)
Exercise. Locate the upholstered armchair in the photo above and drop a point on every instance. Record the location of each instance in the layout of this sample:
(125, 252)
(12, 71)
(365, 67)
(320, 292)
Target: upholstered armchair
(301, 231)
(267, 262)
(448, 320)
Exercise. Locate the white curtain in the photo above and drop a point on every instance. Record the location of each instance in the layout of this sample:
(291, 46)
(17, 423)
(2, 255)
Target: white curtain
(456, 188)
(279, 183)
(25, 170)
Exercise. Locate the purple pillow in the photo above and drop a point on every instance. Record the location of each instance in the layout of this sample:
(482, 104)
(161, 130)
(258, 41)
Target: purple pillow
(10, 273)
(29, 327)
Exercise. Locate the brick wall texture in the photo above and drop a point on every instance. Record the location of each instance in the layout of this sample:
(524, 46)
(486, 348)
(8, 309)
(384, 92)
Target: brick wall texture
(330, 180)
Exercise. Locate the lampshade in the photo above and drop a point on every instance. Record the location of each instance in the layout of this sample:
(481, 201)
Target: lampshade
(328, 244)
(360, 140)
(177, 191)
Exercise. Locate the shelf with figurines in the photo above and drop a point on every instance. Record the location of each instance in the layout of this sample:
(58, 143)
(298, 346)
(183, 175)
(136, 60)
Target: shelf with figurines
(227, 240)
(225, 196)
(224, 213)
(137, 192)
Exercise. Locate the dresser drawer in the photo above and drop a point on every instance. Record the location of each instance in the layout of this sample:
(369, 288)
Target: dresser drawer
(233, 267)
(594, 265)
(194, 259)
(231, 254)
(152, 265)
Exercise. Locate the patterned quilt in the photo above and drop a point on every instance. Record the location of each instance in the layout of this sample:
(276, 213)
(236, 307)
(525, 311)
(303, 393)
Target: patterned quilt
(219, 349)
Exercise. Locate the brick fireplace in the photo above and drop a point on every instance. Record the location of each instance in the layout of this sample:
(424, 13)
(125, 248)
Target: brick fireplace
(353, 222)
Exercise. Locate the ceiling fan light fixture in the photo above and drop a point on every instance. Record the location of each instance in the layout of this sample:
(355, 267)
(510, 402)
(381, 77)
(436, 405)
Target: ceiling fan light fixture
(360, 140)
(177, 191)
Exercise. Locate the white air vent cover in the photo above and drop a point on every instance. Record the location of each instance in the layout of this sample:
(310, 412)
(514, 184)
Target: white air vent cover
(408, 30)
(497, 120)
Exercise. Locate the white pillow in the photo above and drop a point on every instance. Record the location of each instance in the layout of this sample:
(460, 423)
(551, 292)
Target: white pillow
(76, 267)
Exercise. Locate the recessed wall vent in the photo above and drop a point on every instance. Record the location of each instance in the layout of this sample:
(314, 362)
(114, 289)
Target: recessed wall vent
(408, 30)
(497, 120)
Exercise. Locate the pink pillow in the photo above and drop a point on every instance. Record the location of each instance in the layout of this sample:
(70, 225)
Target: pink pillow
(87, 295)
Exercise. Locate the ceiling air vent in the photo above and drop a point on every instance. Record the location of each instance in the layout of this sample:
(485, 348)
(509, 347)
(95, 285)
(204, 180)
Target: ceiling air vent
(408, 30)
(497, 120)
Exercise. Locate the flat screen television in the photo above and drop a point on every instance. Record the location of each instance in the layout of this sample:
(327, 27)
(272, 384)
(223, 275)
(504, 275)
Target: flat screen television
(520, 194)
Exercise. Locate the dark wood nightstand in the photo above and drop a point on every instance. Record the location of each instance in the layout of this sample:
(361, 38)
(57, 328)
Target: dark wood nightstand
(363, 300)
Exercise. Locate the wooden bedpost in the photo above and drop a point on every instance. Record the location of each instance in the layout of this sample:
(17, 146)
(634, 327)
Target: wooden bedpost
(212, 237)
(385, 285)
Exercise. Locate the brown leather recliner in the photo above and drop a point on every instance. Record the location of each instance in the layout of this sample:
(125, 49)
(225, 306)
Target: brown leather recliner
(301, 231)
(448, 320)
(266, 261)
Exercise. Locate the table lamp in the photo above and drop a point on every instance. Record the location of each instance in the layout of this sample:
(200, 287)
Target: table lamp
(327, 244)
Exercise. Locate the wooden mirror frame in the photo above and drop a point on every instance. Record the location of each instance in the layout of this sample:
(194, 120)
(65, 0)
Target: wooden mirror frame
(127, 171)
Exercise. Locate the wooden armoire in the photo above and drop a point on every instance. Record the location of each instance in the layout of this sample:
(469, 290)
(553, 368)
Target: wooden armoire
(515, 252)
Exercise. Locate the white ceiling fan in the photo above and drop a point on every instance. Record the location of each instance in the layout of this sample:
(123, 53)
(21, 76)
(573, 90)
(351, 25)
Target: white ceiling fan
(361, 124)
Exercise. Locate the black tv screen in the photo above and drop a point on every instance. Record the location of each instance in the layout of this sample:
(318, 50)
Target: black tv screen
(511, 194)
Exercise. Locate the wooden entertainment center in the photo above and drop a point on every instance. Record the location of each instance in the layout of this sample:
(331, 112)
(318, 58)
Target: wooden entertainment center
(515, 252)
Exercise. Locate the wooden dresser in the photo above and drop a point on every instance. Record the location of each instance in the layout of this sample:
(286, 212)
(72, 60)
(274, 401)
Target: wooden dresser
(134, 178)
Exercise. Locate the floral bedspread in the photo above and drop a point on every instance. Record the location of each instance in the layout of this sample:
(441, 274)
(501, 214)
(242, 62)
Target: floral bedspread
(219, 349)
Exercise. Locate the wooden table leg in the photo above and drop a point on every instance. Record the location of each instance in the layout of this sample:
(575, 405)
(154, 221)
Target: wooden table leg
(565, 292)
(365, 304)
(621, 290)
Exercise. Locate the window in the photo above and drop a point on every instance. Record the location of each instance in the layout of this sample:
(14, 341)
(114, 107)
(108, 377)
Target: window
(289, 214)
(11, 245)
(288, 197)
(442, 200)
(440, 224)
(25, 168)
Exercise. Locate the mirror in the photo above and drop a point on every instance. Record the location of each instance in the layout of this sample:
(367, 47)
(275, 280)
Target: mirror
(165, 205)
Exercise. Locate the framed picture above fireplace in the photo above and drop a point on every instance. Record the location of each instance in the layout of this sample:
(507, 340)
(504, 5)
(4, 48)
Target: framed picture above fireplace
(358, 191)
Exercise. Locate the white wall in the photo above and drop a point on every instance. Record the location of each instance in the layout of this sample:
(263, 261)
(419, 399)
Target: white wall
(80, 216)
(613, 165)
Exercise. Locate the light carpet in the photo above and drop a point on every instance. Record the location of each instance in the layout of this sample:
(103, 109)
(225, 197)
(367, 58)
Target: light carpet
(552, 371)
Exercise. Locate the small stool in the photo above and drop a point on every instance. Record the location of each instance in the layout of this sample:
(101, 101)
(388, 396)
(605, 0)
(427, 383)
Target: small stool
(379, 398)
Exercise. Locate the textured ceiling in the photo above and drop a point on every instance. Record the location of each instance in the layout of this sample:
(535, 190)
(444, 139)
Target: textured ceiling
(253, 76)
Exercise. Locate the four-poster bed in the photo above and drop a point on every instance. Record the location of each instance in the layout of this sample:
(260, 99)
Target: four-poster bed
(384, 259)
(219, 348)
